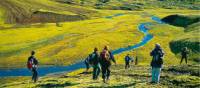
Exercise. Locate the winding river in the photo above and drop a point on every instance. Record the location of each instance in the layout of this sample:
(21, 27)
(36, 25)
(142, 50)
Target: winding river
(57, 69)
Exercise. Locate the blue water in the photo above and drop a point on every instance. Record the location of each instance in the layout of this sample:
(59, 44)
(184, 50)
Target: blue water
(41, 70)
(55, 69)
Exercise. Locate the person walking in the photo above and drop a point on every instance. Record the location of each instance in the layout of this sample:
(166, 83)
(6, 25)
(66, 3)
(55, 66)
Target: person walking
(95, 62)
(32, 65)
(106, 57)
(184, 54)
(128, 59)
(157, 53)
(87, 63)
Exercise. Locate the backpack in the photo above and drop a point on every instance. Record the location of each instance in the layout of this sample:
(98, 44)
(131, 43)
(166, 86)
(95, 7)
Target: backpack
(105, 55)
(91, 58)
(158, 58)
(127, 59)
(31, 61)
(29, 64)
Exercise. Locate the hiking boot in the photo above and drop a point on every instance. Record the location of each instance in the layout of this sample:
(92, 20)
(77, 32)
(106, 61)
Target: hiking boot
(95, 78)
(104, 80)
(152, 82)
(107, 78)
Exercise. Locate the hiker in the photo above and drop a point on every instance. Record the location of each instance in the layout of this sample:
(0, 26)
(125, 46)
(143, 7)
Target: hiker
(87, 63)
(127, 61)
(156, 63)
(136, 60)
(95, 62)
(105, 60)
(32, 65)
(184, 54)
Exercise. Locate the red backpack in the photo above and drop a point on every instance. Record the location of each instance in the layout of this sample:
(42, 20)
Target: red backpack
(29, 64)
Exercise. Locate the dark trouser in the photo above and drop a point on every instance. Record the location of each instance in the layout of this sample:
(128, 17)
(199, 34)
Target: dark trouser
(96, 71)
(87, 65)
(182, 60)
(127, 65)
(35, 74)
(156, 74)
(105, 70)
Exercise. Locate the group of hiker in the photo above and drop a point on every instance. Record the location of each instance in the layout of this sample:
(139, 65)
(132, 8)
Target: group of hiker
(101, 62)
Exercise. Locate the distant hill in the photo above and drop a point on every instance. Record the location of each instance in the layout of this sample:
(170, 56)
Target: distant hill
(135, 4)
(34, 11)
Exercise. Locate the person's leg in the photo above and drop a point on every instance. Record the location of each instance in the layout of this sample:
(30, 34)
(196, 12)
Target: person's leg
(108, 72)
(35, 74)
(103, 71)
(94, 72)
(87, 66)
(128, 65)
(153, 74)
(158, 70)
(98, 71)
(181, 60)
(186, 60)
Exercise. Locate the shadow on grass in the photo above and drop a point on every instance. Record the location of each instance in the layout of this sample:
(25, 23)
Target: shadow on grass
(56, 85)
(185, 69)
(86, 73)
(117, 86)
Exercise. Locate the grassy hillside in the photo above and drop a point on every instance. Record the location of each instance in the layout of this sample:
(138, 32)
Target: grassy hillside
(136, 76)
(29, 11)
(57, 45)
(63, 32)
(181, 20)
(135, 4)
(190, 37)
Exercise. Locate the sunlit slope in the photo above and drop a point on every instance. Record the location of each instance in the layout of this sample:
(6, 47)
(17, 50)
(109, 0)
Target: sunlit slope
(73, 41)
(29, 11)
(135, 4)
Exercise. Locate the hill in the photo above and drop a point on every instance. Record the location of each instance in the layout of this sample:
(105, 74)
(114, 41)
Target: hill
(37, 11)
(135, 4)
(190, 37)
(64, 32)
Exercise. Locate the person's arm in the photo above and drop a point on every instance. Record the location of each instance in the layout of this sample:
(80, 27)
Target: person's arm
(132, 59)
(188, 51)
(163, 53)
(151, 53)
(112, 57)
(35, 61)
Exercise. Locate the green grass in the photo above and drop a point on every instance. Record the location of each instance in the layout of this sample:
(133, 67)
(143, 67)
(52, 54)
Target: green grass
(137, 76)
(56, 45)
(193, 27)
(190, 38)
(18, 11)
(135, 4)
(73, 41)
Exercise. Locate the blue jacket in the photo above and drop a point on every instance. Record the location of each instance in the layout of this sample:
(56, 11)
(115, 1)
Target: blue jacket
(157, 55)
(128, 59)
